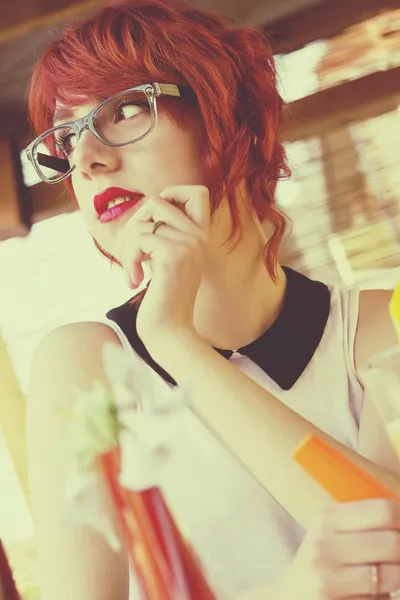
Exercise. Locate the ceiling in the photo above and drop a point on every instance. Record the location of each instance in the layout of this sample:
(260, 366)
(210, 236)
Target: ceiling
(28, 26)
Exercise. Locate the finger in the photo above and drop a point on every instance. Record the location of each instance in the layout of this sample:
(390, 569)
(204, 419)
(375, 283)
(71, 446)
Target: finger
(132, 258)
(377, 514)
(160, 209)
(132, 255)
(368, 597)
(367, 547)
(170, 248)
(358, 580)
(164, 230)
(163, 252)
(196, 201)
(169, 244)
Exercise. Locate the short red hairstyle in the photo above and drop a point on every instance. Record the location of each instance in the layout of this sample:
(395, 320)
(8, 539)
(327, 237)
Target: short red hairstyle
(231, 71)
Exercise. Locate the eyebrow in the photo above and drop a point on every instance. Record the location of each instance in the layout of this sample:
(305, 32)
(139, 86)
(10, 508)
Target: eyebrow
(62, 113)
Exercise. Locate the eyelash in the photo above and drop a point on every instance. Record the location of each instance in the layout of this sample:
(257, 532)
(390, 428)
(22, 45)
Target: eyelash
(60, 141)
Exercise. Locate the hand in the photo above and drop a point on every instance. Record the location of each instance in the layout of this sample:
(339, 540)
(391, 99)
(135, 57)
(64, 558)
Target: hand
(177, 254)
(336, 558)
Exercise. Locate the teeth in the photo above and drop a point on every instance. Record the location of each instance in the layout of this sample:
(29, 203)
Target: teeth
(117, 201)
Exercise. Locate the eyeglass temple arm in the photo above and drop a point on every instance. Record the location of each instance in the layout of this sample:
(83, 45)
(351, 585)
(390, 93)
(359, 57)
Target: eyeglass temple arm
(58, 164)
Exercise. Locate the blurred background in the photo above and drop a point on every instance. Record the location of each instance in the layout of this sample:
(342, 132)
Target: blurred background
(339, 68)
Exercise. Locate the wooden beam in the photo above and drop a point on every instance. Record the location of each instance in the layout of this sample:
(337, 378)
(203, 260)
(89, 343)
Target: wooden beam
(19, 20)
(323, 21)
(318, 21)
(352, 101)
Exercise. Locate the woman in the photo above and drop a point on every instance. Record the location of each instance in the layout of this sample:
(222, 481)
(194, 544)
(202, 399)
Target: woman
(166, 134)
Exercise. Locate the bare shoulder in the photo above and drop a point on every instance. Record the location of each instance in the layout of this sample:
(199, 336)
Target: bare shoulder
(375, 331)
(70, 354)
(85, 333)
(76, 338)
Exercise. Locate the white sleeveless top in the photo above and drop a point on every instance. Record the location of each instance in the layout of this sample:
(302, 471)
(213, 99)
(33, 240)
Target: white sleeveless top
(241, 534)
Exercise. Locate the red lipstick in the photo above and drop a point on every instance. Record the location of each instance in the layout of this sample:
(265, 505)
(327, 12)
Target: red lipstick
(108, 214)
(116, 211)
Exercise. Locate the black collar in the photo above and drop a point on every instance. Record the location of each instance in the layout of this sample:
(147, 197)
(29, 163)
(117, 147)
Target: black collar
(283, 351)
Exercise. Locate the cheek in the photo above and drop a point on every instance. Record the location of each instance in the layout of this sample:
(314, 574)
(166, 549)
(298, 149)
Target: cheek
(172, 156)
(181, 165)
(85, 207)
(79, 191)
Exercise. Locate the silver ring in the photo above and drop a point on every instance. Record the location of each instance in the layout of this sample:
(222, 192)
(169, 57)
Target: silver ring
(395, 594)
(157, 225)
(375, 579)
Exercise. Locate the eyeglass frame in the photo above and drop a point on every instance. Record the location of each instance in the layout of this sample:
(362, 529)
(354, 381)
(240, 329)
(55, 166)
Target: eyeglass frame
(151, 90)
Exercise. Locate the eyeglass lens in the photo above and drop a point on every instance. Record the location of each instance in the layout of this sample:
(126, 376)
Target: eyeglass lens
(122, 119)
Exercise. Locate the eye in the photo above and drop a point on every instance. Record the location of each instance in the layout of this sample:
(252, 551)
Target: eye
(65, 141)
(127, 109)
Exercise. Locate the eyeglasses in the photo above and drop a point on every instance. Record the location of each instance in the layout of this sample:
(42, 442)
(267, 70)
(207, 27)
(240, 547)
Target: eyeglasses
(123, 119)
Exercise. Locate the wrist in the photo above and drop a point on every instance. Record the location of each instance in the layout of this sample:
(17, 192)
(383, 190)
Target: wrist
(175, 350)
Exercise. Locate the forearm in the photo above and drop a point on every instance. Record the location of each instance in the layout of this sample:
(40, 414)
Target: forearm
(258, 428)
(273, 590)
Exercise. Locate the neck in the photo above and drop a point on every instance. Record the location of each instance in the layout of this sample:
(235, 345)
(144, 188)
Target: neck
(238, 300)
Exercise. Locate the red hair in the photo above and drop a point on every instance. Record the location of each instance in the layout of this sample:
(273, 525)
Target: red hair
(231, 72)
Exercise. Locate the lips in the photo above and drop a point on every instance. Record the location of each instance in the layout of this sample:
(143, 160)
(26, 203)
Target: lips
(101, 200)
(114, 212)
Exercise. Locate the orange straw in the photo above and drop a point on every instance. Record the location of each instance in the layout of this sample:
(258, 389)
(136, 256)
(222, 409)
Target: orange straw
(336, 474)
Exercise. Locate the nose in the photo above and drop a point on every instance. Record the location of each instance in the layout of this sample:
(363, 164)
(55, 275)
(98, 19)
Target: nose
(92, 157)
